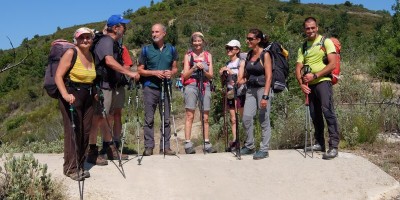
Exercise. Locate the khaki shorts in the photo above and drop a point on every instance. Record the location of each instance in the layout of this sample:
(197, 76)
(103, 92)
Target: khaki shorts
(192, 97)
(113, 99)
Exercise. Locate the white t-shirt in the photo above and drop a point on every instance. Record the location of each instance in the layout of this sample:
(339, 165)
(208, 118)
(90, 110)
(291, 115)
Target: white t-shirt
(234, 65)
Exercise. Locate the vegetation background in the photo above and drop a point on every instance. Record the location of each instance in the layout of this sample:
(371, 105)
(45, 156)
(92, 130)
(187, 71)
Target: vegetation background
(367, 98)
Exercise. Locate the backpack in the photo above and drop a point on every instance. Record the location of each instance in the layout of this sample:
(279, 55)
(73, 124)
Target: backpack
(57, 50)
(280, 67)
(335, 74)
(102, 72)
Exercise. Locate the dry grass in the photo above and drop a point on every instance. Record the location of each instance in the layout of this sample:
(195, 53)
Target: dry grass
(385, 155)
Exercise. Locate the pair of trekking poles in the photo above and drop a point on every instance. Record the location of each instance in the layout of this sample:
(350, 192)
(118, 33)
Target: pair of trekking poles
(225, 103)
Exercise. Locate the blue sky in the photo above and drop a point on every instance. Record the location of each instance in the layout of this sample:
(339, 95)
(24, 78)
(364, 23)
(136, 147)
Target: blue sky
(26, 18)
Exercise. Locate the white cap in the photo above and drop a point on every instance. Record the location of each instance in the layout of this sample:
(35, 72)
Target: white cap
(234, 43)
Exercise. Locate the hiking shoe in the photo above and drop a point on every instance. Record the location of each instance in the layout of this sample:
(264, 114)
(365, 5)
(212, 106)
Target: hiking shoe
(76, 177)
(86, 174)
(102, 151)
(246, 151)
(332, 153)
(316, 147)
(168, 152)
(148, 151)
(190, 150)
(94, 158)
(113, 154)
(210, 150)
(260, 155)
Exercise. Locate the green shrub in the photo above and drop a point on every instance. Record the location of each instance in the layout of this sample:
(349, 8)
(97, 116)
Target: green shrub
(25, 178)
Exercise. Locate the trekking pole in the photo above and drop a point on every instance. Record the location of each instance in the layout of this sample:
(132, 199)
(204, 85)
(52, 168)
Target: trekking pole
(101, 101)
(200, 83)
(307, 124)
(123, 138)
(71, 109)
(138, 125)
(163, 113)
(169, 89)
(225, 100)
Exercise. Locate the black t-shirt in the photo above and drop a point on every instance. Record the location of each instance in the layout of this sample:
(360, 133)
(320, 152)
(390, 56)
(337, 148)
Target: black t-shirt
(106, 46)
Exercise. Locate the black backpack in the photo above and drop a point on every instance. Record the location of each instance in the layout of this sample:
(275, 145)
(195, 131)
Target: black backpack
(57, 50)
(280, 68)
(102, 72)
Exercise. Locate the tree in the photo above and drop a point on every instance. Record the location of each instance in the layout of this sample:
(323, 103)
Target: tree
(348, 4)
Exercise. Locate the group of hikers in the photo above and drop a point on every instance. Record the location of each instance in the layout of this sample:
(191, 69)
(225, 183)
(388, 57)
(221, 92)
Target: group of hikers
(92, 92)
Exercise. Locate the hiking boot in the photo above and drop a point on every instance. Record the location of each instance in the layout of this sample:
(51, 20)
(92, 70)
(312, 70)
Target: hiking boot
(316, 147)
(210, 150)
(246, 151)
(168, 152)
(94, 158)
(103, 151)
(76, 177)
(190, 150)
(148, 151)
(260, 155)
(113, 154)
(332, 153)
(85, 174)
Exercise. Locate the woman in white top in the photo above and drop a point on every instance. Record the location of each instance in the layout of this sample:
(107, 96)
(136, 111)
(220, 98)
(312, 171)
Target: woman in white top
(229, 73)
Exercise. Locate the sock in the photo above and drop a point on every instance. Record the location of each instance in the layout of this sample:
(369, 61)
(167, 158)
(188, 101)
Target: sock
(105, 144)
(92, 146)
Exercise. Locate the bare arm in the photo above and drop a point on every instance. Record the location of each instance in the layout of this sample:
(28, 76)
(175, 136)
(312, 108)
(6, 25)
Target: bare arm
(63, 67)
(241, 75)
(187, 71)
(268, 73)
(113, 64)
(210, 73)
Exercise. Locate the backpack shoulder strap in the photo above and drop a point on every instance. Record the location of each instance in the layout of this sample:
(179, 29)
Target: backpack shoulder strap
(206, 57)
(73, 61)
(303, 49)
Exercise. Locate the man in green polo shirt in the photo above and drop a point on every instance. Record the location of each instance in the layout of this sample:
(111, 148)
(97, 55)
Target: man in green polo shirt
(157, 62)
(317, 85)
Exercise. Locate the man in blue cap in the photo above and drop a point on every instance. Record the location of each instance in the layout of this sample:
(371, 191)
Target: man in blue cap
(110, 72)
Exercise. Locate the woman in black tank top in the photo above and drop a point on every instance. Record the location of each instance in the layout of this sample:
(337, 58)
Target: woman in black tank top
(258, 72)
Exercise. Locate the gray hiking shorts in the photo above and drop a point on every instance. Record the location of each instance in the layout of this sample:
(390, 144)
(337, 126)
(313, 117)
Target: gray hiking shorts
(192, 97)
(113, 99)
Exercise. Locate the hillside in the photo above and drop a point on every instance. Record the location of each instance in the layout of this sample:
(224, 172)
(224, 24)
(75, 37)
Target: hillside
(28, 115)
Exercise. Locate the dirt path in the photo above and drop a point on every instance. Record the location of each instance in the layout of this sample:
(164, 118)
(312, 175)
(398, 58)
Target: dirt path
(286, 174)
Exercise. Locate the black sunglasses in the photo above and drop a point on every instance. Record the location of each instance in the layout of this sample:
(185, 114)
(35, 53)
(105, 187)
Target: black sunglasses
(250, 39)
(228, 48)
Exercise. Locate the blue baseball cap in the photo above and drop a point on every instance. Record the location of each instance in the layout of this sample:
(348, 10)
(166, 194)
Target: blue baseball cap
(116, 19)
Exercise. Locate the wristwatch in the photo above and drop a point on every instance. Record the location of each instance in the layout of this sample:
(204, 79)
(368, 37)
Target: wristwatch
(315, 76)
(265, 97)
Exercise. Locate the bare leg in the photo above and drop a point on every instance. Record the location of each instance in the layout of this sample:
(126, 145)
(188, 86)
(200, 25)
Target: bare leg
(188, 123)
(206, 125)
(233, 123)
(117, 124)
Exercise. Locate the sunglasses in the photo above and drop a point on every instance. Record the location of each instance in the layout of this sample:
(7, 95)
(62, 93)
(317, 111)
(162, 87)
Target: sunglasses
(230, 48)
(250, 39)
